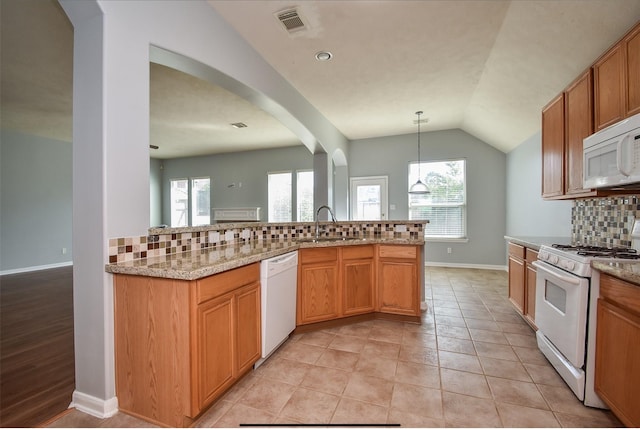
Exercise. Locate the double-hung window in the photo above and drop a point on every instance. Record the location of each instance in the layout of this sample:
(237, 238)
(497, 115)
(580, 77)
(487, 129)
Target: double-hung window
(280, 196)
(190, 202)
(445, 205)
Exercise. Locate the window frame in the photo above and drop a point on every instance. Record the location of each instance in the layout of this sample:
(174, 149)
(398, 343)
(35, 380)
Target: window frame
(424, 169)
(291, 194)
(190, 205)
(297, 194)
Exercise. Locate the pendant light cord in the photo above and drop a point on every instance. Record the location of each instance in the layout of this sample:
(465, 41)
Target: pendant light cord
(419, 161)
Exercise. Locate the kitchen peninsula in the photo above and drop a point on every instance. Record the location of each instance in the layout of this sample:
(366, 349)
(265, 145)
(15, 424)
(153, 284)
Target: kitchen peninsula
(187, 301)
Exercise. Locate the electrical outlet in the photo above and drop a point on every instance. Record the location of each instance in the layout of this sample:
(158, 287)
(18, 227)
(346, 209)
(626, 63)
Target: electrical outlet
(64, 251)
(448, 250)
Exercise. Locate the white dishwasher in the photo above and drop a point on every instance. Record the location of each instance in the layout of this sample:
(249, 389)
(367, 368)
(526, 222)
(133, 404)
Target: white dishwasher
(279, 281)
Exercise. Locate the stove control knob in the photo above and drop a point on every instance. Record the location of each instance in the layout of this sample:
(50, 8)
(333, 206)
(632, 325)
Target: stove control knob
(554, 259)
(570, 265)
(543, 256)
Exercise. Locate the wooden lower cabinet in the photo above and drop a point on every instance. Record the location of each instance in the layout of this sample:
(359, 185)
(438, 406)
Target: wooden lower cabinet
(522, 281)
(180, 344)
(318, 293)
(358, 280)
(398, 273)
(617, 375)
(342, 281)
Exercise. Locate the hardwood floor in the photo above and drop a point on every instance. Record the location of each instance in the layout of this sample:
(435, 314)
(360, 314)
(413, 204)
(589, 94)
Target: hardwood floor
(37, 364)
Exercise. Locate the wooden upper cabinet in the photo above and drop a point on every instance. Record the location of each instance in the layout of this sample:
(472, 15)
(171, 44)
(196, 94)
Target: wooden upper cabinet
(610, 88)
(578, 125)
(632, 44)
(553, 148)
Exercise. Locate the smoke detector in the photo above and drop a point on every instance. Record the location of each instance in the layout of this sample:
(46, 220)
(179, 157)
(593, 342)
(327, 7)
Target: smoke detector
(291, 20)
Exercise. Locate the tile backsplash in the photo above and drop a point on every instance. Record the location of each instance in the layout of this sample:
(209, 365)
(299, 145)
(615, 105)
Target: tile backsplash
(604, 221)
(161, 242)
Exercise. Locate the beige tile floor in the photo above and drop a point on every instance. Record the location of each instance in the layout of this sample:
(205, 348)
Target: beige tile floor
(472, 363)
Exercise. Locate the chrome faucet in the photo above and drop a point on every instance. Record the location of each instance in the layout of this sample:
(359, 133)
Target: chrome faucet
(333, 218)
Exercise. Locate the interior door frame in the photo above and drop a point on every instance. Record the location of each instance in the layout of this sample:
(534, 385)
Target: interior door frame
(383, 181)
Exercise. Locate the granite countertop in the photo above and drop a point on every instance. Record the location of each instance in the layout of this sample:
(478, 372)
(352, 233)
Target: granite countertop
(535, 242)
(629, 272)
(199, 264)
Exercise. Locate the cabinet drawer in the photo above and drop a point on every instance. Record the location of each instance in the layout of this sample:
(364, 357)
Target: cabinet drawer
(216, 285)
(317, 255)
(397, 251)
(516, 250)
(531, 255)
(624, 294)
(355, 252)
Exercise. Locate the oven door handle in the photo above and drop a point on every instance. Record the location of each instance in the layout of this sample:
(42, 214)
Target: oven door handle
(569, 279)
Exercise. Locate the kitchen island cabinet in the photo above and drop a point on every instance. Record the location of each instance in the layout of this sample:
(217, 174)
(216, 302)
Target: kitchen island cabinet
(617, 375)
(343, 281)
(180, 344)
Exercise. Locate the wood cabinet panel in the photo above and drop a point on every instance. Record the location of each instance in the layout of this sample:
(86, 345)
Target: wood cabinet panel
(248, 332)
(578, 125)
(530, 302)
(395, 287)
(316, 255)
(516, 283)
(632, 43)
(215, 345)
(358, 285)
(610, 88)
(221, 283)
(151, 314)
(617, 379)
(318, 293)
(395, 251)
(553, 148)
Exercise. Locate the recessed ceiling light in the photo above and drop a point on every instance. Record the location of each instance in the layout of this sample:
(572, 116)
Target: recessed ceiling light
(238, 125)
(324, 56)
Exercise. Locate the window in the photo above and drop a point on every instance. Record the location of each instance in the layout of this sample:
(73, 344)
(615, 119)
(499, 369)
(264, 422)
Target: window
(445, 206)
(190, 202)
(279, 196)
(304, 195)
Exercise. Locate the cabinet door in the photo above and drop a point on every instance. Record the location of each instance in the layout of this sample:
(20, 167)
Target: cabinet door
(357, 286)
(247, 327)
(553, 148)
(215, 345)
(617, 378)
(318, 292)
(632, 43)
(516, 283)
(610, 87)
(397, 281)
(530, 308)
(578, 125)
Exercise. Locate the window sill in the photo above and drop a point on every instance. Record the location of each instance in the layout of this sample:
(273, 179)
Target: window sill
(446, 239)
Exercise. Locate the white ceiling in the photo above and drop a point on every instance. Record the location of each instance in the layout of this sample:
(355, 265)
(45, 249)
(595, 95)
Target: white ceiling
(485, 66)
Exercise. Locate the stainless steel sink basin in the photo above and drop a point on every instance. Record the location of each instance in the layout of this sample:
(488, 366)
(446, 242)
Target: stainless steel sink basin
(327, 239)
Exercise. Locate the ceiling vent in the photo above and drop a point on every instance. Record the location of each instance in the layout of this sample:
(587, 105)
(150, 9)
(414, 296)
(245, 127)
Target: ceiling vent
(238, 125)
(291, 20)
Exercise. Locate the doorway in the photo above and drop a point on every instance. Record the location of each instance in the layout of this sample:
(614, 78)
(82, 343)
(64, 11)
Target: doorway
(369, 199)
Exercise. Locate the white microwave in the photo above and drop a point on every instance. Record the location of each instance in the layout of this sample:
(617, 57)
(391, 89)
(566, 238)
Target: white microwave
(611, 157)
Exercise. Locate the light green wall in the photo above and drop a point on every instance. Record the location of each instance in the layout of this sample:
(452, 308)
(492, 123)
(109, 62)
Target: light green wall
(486, 205)
(527, 213)
(35, 206)
(249, 168)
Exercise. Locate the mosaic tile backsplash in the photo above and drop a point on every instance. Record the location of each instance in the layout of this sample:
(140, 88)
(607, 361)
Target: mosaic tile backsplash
(162, 242)
(604, 221)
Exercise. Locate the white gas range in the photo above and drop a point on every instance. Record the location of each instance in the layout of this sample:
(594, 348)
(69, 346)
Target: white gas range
(567, 289)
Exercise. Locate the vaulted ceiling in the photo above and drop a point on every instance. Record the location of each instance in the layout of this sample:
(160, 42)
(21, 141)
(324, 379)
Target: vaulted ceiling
(484, 66)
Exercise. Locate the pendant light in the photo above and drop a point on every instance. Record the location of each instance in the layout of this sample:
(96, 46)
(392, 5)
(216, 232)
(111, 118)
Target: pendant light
(419, 187)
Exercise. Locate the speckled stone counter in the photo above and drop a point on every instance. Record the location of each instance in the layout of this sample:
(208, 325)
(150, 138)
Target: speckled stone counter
(629, 272)
(199, 264)
(534, 242)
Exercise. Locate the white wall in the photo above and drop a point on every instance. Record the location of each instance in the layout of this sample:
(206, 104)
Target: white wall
(111, 164)
(527, 213)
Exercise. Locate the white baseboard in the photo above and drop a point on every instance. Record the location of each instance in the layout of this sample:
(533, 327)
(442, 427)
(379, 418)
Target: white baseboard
(35, 268)
(466, 266)
(94, 406)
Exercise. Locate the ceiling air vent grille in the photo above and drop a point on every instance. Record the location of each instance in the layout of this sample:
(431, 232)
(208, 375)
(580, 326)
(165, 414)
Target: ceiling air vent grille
(291, 20)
